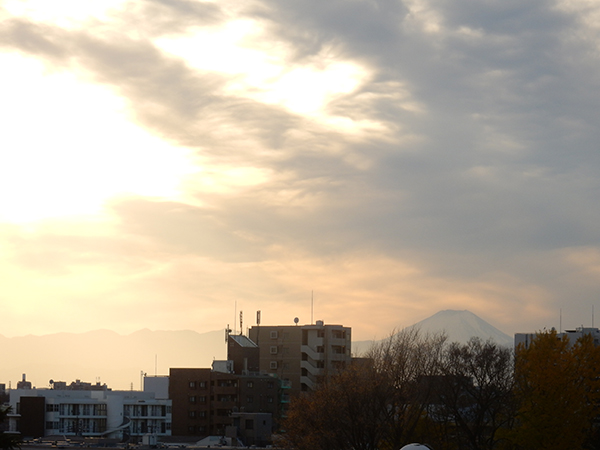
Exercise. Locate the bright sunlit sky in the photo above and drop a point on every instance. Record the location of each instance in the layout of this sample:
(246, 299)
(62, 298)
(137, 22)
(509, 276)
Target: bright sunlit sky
(165, 164)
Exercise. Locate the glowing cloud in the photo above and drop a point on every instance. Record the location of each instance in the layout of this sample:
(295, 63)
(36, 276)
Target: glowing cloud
(72, 147)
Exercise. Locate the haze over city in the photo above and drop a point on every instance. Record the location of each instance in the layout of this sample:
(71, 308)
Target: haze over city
(167, 164)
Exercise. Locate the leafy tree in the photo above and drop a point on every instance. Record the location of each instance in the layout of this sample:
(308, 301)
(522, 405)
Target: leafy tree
(558, 387)
(8, 441)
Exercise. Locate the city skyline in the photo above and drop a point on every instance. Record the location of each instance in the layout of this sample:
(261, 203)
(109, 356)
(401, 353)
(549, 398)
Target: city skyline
(165, 164)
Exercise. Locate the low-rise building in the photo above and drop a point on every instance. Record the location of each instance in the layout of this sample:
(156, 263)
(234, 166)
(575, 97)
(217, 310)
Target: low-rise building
(99, 412)
(204, 399)
(525, 339)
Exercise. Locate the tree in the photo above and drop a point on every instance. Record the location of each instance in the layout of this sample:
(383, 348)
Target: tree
(8, 441)
(558, 386)
(348, 411)
(374, 405)
(475, 395)
(405, 359)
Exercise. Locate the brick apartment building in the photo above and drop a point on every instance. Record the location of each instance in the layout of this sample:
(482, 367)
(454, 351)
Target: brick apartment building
(203, 399)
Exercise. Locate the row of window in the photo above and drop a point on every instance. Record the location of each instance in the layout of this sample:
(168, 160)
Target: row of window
(275, 365)
(219, 383)
(146, 410)
(77, 426)
(75, 409)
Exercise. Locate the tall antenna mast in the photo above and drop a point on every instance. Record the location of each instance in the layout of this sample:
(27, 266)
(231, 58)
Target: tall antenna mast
(311, 306)
(241, 322)
(560, 322)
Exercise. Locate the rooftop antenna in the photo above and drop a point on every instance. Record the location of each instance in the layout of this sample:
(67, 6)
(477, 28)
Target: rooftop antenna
(560, 322)
(227, 332)
(258, 317)
(312, 302)
(241, 322)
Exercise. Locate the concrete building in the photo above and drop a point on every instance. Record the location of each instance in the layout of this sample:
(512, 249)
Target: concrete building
(302, 355)
(572, 335)
(91, 412)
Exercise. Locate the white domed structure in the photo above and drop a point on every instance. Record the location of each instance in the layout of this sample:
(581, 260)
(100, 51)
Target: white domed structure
(416, 447)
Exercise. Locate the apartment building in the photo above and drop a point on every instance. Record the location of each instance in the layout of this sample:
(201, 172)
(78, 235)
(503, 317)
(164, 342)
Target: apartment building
(302, 355)
(204, 399)
(91, 412)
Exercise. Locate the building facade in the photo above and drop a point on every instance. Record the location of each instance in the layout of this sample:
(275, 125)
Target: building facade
(204, 399)
(90, 413)
(302, 355)
(525, 339)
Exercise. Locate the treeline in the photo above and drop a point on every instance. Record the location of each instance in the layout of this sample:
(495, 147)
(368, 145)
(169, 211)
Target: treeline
(419, 388)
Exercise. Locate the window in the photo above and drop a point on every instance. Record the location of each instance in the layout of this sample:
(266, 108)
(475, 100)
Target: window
(270, 385)
(273, 349)
(192, 399)
(320, 349)
(273, 334)
(250, 384)
(320, 333)
(202, 399)
(202, 384)
(273, 365)
(192, 385)
(269, 399)
(192, 414)
(250, 399)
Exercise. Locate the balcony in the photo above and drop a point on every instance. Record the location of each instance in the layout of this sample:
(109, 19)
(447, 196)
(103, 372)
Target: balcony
(312, 353)
(311, 369)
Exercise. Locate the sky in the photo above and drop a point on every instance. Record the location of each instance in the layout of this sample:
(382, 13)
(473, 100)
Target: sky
(166, 164)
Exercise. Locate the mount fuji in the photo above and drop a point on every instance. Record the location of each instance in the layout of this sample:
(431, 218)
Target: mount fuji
(459, 326)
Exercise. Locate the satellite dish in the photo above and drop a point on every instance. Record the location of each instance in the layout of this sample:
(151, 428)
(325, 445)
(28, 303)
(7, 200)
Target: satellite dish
(296, 320)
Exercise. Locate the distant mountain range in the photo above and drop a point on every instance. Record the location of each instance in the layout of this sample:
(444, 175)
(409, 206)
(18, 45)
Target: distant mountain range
(119, 360)
(459, 326)
(114, 359)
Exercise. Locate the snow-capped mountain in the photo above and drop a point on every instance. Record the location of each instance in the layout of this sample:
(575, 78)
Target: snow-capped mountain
(459, 326)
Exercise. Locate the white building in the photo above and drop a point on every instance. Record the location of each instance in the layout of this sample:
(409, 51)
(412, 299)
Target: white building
(91, 413)
(572, 335)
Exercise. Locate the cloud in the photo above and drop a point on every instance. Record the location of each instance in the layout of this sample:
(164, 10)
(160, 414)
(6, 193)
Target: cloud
(416, 156)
